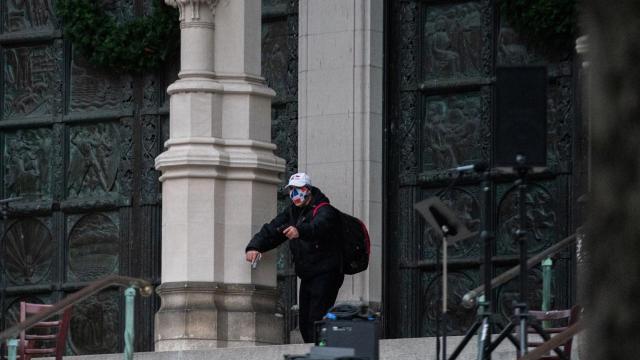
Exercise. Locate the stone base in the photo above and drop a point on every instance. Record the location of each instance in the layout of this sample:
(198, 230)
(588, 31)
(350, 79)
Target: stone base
(206, 315)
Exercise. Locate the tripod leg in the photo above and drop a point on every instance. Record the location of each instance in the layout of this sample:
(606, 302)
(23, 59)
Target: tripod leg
(470, 333)
(444, 336)
(506, 332)
(523, 335)
(485, 339)
(444, 297)
(438, 314)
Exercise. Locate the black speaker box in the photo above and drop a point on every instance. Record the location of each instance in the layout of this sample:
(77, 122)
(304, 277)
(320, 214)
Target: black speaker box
(361, 335)
(521, 123)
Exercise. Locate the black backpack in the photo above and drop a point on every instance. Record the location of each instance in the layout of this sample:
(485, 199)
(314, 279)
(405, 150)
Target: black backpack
(356, 245)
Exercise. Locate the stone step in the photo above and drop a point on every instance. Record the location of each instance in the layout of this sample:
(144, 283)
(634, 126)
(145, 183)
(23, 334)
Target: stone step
(390, 349)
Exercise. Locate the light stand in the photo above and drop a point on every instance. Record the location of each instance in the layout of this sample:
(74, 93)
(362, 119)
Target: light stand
(521, 311)
(487, 308)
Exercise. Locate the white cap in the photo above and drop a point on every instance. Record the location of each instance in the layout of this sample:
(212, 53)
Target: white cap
(299, 180)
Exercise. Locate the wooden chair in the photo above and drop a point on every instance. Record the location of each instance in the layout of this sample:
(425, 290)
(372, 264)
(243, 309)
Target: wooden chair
(46, 338)
(560, 320)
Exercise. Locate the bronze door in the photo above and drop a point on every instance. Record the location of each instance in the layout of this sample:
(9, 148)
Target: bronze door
(441, 61)
(78, 146)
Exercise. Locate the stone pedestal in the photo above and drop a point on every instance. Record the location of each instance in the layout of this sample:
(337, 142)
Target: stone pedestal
(220, 178)
(203, 315)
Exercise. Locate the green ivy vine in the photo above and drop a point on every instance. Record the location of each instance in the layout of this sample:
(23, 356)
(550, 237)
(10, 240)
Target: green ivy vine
(140, 45)
(548, 25)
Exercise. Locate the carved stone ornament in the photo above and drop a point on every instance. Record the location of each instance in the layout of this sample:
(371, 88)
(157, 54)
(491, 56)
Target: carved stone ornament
(182, 5)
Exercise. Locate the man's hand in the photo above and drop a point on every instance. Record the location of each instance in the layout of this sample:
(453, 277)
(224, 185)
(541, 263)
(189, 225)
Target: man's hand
(291, 232)
(252, 255)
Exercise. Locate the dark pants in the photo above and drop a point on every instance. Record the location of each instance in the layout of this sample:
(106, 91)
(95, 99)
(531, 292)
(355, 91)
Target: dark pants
(317, 295)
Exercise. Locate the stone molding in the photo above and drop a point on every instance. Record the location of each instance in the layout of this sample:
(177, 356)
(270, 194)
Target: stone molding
(203, 313)
(196, 85)
(194, 5)
(197, 24)
(218, 158)
(209, 82)
(259, 295)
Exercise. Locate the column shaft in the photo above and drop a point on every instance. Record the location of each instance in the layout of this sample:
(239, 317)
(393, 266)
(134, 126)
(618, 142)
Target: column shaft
(219, 182)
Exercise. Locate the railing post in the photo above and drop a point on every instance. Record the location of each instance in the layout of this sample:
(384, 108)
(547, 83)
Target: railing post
(546, 287)
(482, 307)
(12, 347)
(129, 337)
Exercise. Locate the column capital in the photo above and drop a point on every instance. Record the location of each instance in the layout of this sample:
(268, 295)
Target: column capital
(194, 6)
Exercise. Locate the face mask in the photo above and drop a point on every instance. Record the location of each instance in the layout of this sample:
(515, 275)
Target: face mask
(299, 195)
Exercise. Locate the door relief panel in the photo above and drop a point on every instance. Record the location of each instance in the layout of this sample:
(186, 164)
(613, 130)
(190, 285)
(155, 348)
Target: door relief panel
(30, 252)
(32, 80)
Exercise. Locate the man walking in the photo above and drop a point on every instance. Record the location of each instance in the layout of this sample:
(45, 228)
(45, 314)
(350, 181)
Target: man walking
(310, 225)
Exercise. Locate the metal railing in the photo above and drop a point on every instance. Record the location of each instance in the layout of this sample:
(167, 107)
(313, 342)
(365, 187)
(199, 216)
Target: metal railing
(469, 299)
(543, 258)
(130, 283)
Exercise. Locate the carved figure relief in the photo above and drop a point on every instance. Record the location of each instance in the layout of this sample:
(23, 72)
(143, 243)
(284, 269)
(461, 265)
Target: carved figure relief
(453, 41)
(29, 251)
(28, 15)
(94, 324)
(540, 220)
(93, 90)
(93, 159)
(451, 131)
(94, 245)
(151, 93)
(27, 154)
(32, 81)
(512, 50)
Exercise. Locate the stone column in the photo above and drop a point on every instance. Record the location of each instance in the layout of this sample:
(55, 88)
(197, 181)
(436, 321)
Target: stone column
(340, 118)
(219, 181)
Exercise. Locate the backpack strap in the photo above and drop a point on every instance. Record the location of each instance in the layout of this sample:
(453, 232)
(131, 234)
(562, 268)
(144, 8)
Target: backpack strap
(317, 207)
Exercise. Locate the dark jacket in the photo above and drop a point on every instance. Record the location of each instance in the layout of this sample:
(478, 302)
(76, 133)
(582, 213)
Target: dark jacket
(316, 251)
